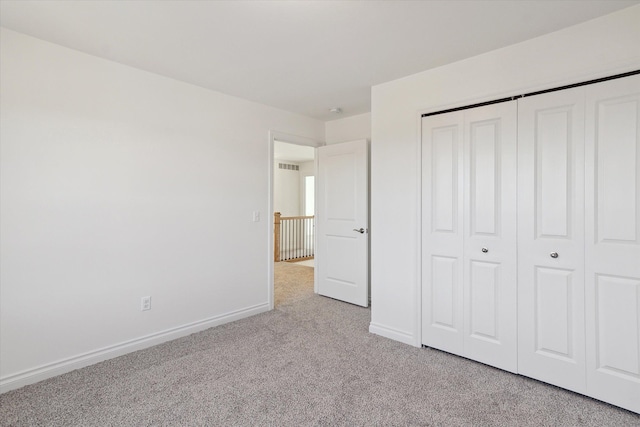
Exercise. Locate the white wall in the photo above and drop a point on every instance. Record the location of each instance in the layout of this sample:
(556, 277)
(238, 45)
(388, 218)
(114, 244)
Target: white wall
(116, 184)
(286, 189)
(597, 48)
(349, 129)
(306, 169)
(289, 187)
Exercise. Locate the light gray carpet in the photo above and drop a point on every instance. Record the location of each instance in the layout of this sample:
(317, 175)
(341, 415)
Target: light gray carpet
(310, 362)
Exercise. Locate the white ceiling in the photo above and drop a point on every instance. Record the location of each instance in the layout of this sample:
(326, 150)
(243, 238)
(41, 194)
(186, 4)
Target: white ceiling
(300, 56)
(292, 152)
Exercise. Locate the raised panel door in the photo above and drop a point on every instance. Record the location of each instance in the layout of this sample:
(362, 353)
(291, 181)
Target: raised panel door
(612, 247)
(551, 344)
(489, 280)
(343, 209)
(442, 317)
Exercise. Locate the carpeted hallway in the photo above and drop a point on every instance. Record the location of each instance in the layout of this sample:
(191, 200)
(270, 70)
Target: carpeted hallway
(309, 362)
(292, 283)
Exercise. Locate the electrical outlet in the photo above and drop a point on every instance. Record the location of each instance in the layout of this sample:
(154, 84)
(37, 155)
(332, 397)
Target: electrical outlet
(256, 216)
(145, 303)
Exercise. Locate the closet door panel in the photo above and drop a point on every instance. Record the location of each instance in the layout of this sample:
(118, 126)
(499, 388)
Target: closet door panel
(490, 235)
(617, 307)
(485, 283)
(551, 336)
(444, 295)
(484, 177)
(553, 317)
(612, 249)
(442, 232)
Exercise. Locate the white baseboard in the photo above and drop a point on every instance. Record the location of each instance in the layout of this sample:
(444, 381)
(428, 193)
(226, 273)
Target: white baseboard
(30, 376)
(391, 333)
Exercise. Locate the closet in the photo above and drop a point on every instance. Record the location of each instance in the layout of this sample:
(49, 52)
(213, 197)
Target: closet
(531, 237)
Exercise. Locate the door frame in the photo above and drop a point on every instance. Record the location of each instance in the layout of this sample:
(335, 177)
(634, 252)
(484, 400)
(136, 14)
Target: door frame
(289, 139)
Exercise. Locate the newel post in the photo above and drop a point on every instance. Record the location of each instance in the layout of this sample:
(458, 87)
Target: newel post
(276, 237)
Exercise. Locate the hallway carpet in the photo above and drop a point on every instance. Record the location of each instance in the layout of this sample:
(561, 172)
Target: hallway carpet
(292, 282)
(309, 362)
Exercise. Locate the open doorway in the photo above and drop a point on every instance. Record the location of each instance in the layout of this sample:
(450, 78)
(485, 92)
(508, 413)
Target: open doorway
(341, 230)
(292, 242)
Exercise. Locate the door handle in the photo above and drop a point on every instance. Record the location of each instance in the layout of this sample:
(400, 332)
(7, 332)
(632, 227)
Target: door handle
(359, 230)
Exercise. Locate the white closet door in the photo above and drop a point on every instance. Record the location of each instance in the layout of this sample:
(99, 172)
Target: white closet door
(490, 275)
(612, 250)
(442, 232)
(551, 238)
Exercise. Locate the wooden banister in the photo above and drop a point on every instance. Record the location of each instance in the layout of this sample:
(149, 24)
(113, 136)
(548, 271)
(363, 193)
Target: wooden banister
(293, 217)
(276, 236)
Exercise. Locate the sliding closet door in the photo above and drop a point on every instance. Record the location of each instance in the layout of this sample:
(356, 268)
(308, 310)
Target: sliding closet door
(442, 234)
(490, 279)
(551, 238)
(612, 237)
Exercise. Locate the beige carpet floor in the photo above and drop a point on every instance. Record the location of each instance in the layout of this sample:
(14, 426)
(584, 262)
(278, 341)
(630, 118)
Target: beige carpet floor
(292, 282)
(309, 362)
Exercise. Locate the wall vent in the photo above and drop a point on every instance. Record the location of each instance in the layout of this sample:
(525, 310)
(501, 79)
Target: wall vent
(288, 166)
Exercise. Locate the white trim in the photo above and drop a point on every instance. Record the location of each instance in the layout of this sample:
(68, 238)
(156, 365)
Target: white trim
(394, 334)
(30, 376)
(316, 165)
(269, 223)
(417, 297)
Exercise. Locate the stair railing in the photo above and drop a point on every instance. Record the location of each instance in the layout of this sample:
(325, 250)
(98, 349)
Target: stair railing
(294, 237)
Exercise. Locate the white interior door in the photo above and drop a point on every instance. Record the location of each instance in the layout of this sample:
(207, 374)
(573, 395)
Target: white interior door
(490, 274)
(612, 250)
(551, 332)
(442, 232)
(342, 223)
